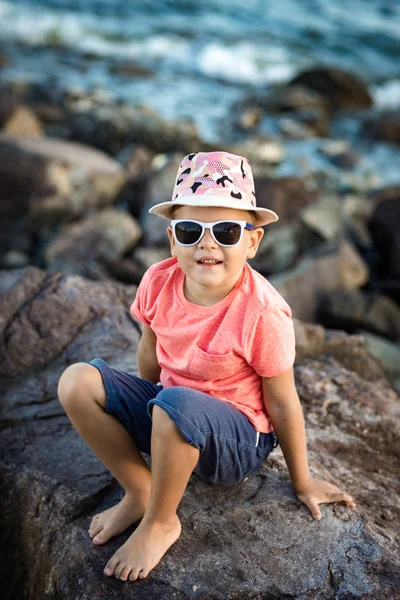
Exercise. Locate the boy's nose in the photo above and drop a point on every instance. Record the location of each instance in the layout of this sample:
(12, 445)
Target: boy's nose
(207, 239)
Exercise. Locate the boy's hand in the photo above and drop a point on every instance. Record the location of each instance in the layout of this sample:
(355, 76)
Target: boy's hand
(317, 491)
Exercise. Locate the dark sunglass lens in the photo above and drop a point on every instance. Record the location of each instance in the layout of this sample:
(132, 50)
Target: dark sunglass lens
(187, 232)
(227, 233)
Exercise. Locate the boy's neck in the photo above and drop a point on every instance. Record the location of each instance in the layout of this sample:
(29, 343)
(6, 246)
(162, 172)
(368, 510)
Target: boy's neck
(204, 297)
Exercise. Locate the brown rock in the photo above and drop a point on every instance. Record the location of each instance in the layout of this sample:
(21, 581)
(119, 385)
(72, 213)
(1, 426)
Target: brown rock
(102, 238)
(384, 226)
(130, 70)
(284, 195)
(255, 541)
(384, 126)
(49, 181)
(16, 119)
(353, 310)
(350, 351)
(327, 268)
(340, 89)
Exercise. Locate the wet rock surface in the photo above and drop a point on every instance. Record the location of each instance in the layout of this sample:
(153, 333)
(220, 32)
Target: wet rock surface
(253, 541)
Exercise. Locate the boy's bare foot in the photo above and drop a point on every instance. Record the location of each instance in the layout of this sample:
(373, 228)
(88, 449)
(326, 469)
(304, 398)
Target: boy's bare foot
(115, 520)
(143, 550)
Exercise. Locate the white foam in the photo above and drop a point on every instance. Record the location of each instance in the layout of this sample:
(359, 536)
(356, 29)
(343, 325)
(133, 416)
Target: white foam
(387, 95)
(245, 63)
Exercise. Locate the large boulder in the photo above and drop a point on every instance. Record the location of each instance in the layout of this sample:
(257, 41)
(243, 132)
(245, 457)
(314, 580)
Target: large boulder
(340, 89)
(383, 126)
(250, 542)
(83, 248)
(324, 269)
(47, 181)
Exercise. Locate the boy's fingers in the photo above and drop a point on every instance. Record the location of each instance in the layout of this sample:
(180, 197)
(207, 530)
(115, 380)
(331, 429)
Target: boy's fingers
(341, 497)
(313, 506)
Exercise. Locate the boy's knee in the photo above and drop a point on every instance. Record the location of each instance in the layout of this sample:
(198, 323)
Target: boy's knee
(176, 397)
(80, 381)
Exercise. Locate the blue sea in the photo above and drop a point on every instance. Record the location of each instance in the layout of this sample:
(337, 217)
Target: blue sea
(199, 57)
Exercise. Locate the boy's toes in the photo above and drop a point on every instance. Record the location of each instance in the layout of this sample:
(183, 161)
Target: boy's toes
(125, 573)
(134, 574)
(100, 539)
(143, 573)
(95, 529)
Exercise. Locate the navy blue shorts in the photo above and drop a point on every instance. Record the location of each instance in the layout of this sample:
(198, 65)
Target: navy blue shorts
(230, 447)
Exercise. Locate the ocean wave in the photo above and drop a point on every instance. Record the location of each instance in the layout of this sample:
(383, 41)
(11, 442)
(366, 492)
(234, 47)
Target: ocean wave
(387, 95)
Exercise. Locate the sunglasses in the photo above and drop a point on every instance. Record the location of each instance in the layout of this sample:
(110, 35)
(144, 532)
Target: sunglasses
(225, 233)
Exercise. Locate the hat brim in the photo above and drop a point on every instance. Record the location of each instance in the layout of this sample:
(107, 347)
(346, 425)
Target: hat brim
(264, 216)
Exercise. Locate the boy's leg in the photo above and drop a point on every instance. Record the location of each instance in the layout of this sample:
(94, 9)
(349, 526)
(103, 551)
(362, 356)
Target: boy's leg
(173, 461)
(81, 392)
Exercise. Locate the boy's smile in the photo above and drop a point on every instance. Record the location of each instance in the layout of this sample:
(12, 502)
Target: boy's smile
(211, 269)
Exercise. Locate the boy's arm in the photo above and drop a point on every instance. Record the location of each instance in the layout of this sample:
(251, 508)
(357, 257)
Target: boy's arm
(147, 358)
(283, 406)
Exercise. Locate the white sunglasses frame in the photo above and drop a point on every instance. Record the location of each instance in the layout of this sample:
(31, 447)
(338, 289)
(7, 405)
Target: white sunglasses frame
(243, 225)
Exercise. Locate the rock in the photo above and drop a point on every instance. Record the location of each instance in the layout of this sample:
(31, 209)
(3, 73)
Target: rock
(296, 102)
(351, 351)
(14, 259)
(147, 257)
(356, 211)
(325, 216)
(262, 152)
(340, 154)
(43, 314)
(158, 188)
(284, 195)
(383, 126)
(4, 61)
(81, 248)
(282, 246)
(387, 352)
(51, 483)
(328, 268)
(341, 90)
(353, 310)
(136, 160)
(384, 226)
(50, 181)
(130, 70)
(17, 119)
(101, 125)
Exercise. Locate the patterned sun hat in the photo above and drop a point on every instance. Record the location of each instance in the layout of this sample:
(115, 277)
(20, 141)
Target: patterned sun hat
(217, 179)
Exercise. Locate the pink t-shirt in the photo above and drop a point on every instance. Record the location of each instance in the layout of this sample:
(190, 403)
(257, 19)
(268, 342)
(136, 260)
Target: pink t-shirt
(225, 349)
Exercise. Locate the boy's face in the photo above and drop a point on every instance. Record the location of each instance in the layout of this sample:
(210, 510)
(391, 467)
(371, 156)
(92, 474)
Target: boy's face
(232, 258)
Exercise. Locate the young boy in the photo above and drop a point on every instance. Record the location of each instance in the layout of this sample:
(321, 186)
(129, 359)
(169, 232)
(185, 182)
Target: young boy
(216, 370)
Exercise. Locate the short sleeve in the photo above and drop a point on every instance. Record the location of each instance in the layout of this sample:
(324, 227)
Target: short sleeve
(139, 306)
(271, 347)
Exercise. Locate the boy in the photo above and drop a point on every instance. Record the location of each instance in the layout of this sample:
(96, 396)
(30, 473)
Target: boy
(216, 370)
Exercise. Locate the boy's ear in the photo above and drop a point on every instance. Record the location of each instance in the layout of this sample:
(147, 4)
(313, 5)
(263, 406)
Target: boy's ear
(255, 238)
(171, 241)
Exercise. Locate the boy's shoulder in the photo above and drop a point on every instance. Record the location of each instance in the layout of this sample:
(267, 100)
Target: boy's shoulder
(260, 293)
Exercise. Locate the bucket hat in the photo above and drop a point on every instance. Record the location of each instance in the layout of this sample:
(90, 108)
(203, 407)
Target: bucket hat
(217, 179)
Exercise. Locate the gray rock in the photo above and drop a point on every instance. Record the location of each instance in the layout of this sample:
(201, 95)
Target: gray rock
(383, 126)
(325, 269)
(385, 351)
(281, 247)
(50, 181)
(253, 541)
(351, 351)
(353, 310)
(341, 90)
(84, 248)
(325, 216)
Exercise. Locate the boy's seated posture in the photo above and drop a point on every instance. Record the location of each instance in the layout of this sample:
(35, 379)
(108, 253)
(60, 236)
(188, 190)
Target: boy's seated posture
(216, 370)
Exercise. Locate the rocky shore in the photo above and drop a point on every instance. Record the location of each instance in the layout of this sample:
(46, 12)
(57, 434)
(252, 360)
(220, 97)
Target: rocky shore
(77, 176)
